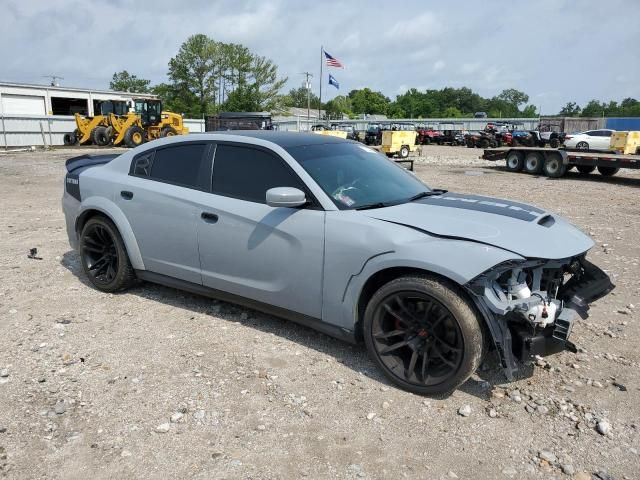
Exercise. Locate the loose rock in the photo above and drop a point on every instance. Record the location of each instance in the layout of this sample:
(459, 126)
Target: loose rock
(163, 428)
(603, 427)
(547, 456)
(464, 411)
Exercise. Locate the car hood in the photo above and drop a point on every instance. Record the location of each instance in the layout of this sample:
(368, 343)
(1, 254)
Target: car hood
(517, 227)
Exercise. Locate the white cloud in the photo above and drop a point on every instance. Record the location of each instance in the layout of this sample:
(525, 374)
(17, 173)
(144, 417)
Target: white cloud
(409, 43)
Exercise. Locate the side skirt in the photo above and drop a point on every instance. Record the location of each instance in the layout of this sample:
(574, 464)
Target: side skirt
(300, 318)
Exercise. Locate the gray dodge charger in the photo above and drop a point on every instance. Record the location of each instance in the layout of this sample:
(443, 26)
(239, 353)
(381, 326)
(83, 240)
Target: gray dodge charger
(331, 234)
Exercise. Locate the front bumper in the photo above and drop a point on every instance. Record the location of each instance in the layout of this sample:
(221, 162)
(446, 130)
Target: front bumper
(523, 341)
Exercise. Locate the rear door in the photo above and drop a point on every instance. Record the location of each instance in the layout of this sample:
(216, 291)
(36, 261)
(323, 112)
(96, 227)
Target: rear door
(160, 202)
(247, 248)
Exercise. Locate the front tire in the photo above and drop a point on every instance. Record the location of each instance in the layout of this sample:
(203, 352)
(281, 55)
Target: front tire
(423, 334)
(134, 136)
(104, 257)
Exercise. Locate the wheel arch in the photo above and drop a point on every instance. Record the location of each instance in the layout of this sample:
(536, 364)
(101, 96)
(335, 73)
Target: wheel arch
(104, 207)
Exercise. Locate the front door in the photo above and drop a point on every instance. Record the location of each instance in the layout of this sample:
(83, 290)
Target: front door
(247, 248)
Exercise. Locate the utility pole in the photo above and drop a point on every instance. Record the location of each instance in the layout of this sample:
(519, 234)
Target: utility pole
(54, 79)
(307, 84)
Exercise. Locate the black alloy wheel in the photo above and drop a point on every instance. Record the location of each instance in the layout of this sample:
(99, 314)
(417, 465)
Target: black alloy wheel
(99, 254)
(423, 335)
(104, 257)
(417, 338)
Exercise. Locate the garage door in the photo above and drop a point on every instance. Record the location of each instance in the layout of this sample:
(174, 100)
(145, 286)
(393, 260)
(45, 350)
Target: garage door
(22, 105)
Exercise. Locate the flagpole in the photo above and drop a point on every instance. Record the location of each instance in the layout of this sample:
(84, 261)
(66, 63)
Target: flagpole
(320, 106)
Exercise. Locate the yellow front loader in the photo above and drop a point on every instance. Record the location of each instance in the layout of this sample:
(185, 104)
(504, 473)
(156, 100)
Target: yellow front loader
(146, 122)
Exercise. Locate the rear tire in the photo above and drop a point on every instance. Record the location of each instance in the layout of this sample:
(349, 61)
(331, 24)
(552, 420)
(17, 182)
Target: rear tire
(554, 167)
(423, 334)
(582, 146)
(104, 257)
(134, 136)
(533, 163)
(554, 143)
(608, 171)
(515, 161)
(585, 168)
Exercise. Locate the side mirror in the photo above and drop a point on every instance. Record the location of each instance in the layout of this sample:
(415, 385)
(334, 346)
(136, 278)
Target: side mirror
(285, 197)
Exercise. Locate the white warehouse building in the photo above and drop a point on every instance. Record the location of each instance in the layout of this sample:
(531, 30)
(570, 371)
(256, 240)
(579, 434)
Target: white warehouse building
(40, 100)
(42, 114)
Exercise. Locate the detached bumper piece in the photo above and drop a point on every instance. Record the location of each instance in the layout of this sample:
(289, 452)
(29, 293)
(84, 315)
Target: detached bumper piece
(554, 339)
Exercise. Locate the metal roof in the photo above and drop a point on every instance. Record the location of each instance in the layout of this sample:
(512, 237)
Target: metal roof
(75, 89)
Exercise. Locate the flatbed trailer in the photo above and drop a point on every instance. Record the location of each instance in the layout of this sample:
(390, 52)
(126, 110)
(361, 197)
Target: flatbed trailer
(555, 162)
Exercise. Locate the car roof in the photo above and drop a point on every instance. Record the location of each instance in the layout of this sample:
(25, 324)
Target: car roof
(283, 139)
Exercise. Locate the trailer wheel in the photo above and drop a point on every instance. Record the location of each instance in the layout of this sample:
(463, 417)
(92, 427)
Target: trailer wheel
(404, 151)
(585, 168)
(515, 161)
(554, 143)
(554, 167)
(533, 163)
(608, 171)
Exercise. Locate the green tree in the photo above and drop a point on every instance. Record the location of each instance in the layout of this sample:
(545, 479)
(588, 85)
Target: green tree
(193, 72)
(297, 97)
(368, 101)
(513, 97)
(125, 82)
(593, 109)
(571, 109)
(339, 106)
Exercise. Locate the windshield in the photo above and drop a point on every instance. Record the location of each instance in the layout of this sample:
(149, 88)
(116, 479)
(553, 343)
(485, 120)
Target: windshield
(355, 176)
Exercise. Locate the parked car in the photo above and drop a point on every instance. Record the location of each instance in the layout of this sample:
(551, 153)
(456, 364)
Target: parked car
(331, 234)
(589, 140)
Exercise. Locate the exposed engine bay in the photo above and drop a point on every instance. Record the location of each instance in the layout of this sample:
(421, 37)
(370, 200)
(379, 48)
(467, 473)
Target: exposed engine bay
(530, 306)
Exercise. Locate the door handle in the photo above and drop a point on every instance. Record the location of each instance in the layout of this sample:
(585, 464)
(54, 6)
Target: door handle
(126, 194)
(209, 217)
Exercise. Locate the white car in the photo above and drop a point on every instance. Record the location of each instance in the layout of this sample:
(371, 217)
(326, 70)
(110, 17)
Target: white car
(590, 140)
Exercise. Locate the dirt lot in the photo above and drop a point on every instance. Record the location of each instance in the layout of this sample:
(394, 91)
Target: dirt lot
(155, 383)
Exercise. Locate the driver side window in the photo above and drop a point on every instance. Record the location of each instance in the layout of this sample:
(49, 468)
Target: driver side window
(247, 173)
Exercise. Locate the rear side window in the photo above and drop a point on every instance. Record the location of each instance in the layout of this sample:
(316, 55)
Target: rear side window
(187, 165)
(142, 164)
(247, 173)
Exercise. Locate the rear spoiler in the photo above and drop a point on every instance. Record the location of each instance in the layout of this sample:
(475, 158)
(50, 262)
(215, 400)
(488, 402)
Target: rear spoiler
(87, 160)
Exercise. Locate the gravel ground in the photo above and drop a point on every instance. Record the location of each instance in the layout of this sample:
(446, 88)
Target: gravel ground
(155, 383)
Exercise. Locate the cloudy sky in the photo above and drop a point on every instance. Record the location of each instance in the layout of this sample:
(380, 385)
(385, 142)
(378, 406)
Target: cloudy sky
(554, 50)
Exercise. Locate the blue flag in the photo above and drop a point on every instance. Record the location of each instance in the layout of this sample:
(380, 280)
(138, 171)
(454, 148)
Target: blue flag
(334, 82)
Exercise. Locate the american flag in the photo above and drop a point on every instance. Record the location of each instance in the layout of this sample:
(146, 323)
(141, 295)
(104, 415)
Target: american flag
(332, 62)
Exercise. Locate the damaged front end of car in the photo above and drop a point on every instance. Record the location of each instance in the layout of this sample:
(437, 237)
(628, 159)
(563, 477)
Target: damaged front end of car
(530, 306)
